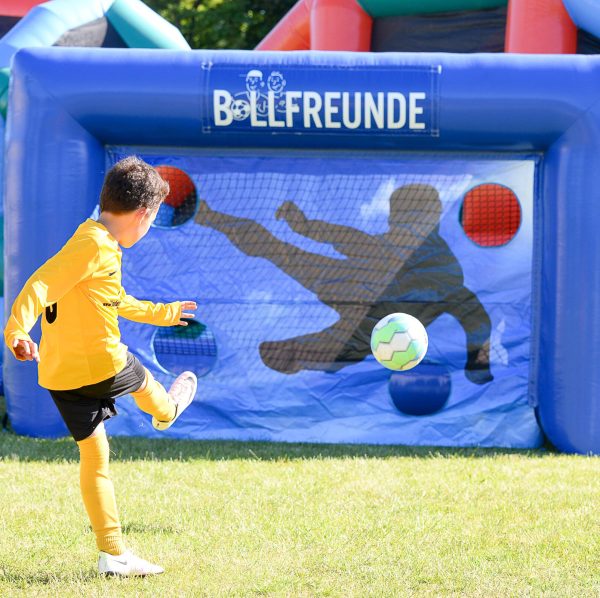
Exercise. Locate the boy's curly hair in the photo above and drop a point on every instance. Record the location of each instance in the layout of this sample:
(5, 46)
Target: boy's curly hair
(132, 184)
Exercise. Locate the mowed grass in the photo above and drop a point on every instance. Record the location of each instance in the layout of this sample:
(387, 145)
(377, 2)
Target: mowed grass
(259, 519)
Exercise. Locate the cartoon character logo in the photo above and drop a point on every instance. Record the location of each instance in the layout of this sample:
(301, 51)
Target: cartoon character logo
(256, 92)
(276, 83)
(254, 81)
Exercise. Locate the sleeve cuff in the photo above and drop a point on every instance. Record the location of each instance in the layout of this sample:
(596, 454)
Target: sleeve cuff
(176, 311)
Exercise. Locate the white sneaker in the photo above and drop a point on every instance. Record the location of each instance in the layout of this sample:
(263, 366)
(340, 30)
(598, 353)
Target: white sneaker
(126, 565)
(182, 393)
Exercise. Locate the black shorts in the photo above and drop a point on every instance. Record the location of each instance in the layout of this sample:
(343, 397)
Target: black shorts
(83, 409)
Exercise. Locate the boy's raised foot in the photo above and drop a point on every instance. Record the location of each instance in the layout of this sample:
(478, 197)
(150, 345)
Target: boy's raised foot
(182, 393)
(126, 565)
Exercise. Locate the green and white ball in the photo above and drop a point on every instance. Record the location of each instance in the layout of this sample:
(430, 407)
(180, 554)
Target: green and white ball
(399, 342)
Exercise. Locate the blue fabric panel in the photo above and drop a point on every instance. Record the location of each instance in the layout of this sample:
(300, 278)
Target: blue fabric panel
(247, 298)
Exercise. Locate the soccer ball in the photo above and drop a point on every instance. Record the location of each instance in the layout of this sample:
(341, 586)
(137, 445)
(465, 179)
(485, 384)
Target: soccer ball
(399, 342)
(240, 109)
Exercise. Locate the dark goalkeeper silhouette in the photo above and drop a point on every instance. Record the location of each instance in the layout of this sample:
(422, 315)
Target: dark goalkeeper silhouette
(409, 268)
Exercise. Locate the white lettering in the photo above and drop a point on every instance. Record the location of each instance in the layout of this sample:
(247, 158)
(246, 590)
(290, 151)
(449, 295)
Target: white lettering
(330, 109)
(374, 111)
(414, 110)
(396, 98)
(273, 122)
(291, 107)
(254, 111)
(355, 123)
(312, 110)
(221, 107)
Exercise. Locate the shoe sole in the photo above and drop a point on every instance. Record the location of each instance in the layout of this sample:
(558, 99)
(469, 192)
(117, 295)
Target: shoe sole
(162, 426)
(115, 574)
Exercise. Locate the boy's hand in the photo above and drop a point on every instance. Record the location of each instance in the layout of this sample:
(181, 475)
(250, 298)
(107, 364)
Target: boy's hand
(26, 350)
(186, 305)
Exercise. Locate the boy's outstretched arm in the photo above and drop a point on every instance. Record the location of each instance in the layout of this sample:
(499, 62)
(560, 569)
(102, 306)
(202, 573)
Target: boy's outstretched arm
(159, 314)
(76, 261)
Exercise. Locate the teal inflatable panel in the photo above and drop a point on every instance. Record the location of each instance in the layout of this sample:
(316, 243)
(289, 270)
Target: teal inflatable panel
(395, 8)
(141, 27)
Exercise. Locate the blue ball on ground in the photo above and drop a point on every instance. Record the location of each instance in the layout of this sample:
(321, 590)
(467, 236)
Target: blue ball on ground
(421, 391)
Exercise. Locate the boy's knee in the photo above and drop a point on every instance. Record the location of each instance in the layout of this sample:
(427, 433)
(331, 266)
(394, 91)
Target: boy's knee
(94, 450)
(149, 386)
(152, 398)
(98, 431)
(147, 377)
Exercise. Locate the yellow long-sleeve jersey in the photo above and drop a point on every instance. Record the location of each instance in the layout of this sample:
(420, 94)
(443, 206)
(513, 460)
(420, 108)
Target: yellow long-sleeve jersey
(79, 290)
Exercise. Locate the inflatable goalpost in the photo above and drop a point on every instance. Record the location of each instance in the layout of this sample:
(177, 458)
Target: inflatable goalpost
(312, 194)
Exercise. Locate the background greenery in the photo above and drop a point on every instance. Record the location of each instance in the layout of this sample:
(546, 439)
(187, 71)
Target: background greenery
(222, 24)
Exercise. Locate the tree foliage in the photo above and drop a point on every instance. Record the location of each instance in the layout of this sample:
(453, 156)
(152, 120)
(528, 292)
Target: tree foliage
(222, 24)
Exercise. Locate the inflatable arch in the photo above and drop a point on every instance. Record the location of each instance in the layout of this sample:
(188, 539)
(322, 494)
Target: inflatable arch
(95, 23)
(290, 244)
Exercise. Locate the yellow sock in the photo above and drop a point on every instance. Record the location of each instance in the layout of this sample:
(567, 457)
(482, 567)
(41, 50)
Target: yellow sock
(154, 399)
(98, 493)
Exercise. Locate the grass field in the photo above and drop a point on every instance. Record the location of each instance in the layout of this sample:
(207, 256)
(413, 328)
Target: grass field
(259, 519)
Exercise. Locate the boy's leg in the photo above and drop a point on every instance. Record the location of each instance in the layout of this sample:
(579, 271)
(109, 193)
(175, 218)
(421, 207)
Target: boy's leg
(83, 411)
(152, 398)
(165, 407)
(98, 492)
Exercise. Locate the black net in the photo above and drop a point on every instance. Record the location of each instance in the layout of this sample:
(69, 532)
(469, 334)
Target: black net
(295, 256)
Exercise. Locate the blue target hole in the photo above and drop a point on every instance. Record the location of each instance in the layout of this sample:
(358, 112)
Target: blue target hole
(180, 348)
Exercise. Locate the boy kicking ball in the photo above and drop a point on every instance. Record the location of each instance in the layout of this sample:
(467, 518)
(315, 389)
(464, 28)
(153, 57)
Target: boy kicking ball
(81, 359)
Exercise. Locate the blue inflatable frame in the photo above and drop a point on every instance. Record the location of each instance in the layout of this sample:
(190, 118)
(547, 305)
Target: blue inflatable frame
(68, 104)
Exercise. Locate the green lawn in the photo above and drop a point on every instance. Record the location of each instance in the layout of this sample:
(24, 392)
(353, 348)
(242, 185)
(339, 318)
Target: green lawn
(259, 519)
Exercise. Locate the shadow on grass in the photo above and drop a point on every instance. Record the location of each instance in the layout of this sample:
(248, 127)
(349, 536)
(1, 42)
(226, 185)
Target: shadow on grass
(21, 448)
